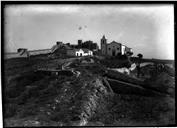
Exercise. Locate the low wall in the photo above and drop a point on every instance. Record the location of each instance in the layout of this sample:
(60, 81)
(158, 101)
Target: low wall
(14, 55)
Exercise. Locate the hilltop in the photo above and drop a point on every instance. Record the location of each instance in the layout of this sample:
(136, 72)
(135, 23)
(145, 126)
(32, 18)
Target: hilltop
(39, 99)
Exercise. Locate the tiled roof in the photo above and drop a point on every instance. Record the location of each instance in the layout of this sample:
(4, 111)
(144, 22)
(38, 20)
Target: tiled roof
(113, 42)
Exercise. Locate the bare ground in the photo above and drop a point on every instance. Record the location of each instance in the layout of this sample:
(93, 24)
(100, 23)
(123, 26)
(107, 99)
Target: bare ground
(32, 99)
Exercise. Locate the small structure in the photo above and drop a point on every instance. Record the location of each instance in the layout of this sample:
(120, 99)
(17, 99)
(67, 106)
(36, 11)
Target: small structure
(123, 49)
(54, 48)
(79, 52)
(21, 53)
(87, 52)
(127, 49)
(59, 43)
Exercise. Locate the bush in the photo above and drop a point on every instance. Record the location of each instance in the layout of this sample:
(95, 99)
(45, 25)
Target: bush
(13, 91)
(28, 111)
(60, 117)
(10, 110)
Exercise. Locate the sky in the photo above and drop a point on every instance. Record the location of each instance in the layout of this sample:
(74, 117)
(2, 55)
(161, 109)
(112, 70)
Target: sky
(147, 29)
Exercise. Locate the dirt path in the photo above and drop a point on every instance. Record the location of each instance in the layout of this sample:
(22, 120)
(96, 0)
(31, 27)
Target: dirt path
(137, 89)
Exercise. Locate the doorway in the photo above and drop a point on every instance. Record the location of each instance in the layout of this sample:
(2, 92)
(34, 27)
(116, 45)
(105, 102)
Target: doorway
(113, 52)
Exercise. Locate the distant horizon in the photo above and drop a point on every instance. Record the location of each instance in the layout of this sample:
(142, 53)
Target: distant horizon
(147, 29)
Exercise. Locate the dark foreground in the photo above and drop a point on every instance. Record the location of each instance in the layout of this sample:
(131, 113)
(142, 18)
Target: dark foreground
(38, 99)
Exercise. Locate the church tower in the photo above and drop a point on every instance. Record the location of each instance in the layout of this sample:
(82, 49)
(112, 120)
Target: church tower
(103, 45)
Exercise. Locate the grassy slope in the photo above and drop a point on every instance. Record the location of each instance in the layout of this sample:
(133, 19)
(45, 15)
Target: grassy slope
(21, 100)
(27, 96)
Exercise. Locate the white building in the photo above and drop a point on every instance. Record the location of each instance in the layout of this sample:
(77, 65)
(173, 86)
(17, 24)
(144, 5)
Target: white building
(79, 52)
(123, 49)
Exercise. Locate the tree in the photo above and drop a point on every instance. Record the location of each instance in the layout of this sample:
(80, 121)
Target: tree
(140, 56)
(129, 53)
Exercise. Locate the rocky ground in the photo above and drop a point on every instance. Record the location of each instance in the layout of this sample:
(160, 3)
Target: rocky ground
(36, 99)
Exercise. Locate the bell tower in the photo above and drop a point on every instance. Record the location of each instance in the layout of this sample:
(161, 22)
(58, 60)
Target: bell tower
(103, 45)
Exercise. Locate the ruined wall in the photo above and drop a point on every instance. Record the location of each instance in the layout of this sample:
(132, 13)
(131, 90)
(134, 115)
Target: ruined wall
(38, 52)
(71, 53)
(14, 55)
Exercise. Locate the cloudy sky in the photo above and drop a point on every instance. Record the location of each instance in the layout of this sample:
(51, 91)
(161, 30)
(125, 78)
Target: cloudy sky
(147, 29)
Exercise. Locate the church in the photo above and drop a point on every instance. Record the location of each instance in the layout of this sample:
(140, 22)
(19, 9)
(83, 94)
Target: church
(113, 48)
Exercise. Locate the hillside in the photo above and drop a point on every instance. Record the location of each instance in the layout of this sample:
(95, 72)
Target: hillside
(38, 99)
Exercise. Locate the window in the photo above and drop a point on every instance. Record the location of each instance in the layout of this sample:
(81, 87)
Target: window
(117, 48)
(109, 48)
(77, 54)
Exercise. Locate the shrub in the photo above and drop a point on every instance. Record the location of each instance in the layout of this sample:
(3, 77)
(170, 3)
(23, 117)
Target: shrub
(28, 111)
(10, 110)
(13, 92)
(60, 116)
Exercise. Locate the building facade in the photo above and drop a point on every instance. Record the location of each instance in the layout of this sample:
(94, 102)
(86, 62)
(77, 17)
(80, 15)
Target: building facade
(114, 48)
(79, 52)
